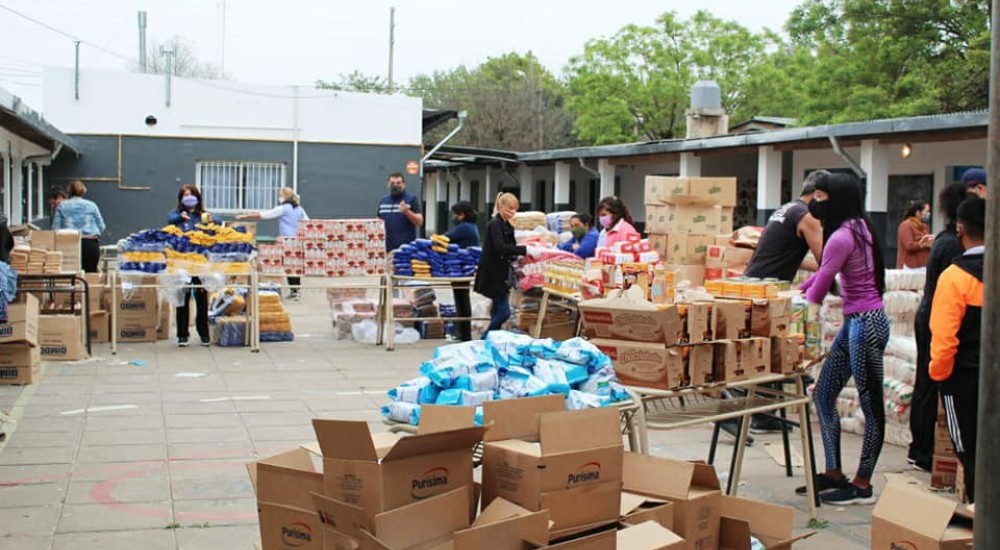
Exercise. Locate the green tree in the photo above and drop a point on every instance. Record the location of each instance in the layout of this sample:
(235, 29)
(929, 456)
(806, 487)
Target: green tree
(357, 81)
(891, 58)
(636, 83)
(513, 103)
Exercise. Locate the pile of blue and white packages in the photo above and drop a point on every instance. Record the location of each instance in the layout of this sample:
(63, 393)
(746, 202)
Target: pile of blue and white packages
(456, 262)
(508, 366)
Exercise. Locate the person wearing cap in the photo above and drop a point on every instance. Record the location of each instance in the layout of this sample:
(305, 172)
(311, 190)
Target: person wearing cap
(956, 323)
(975, 181)
(790, 233)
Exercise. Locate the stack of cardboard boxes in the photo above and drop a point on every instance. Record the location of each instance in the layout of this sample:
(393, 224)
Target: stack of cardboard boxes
(142, 317)
(550, 479)
(20, 356)
(671, 346)
(684, 217)
(945, 466)
(909, 516)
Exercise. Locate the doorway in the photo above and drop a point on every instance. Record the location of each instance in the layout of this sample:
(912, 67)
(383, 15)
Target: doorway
(903, 190)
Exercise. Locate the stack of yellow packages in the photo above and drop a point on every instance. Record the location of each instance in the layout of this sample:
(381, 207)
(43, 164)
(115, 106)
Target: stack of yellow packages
(420, 268)
(275, 322)
(439, 243)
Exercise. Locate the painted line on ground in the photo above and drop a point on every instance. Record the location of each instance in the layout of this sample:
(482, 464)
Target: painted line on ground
(235, 398)
(100, 409)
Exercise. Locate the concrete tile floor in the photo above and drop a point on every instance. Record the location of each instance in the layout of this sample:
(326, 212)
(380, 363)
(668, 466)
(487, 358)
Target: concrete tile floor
(157, 462)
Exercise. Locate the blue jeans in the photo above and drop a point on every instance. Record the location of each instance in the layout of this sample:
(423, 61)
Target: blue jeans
(499, 314)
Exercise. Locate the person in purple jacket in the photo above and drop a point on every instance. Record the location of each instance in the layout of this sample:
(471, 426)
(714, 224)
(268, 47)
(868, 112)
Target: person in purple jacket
(852, 250)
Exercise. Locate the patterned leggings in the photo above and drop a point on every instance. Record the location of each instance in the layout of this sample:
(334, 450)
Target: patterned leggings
(857, 351)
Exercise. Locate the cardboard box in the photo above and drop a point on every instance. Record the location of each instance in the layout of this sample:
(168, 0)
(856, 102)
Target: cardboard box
(908, 517)
(44, 239)
(726, 361)
(141, 309)
(59, 336)
(540, 456)
(67, 241)
(943, 471)
(728, 257)
(135, 334)
(695, 274)
(284, 484)
(729, 320)
(380, 472)
(100, 327)
(754, 357)
(22, 323)
(681, 249)
(771, 317)
(697, 323)
(630, 318)
(688, 219)
(19, 364)
(700, 365)
(787, 354)
(692, 488)
(649, 535)
(644, 364)
(721, 191)
(637, 509)
(163, 331)
(943, 445)
(771, 524)
(960, 492)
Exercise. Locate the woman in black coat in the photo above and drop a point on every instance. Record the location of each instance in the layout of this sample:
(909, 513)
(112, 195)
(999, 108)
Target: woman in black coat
(494, 276)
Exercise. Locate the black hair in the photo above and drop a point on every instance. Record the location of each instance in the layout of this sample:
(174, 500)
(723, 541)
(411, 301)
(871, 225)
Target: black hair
(809, 185)
(914, 208)
(972, 216)
(949, 199)
(465, 209)
(585, 219)
(57, 193)
(846, 204)
(616, 207)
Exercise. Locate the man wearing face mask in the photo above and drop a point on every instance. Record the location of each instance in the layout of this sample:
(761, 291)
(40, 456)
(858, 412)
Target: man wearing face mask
(584, 240)
(401, 212)
(914, 238)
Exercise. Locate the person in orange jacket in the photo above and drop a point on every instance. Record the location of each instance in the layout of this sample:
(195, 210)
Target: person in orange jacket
(956, 318)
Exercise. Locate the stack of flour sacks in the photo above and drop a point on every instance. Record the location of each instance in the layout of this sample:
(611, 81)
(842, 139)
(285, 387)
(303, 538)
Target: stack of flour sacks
(507, 366)
(435, 257)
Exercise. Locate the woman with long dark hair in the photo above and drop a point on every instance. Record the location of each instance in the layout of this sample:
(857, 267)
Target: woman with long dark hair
(914, 240)
(851, 249)
(465, 234)
(189, 213)
(924, 405)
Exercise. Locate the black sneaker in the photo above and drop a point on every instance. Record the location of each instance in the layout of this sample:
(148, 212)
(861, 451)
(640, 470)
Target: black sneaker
(206, 342)
(849, 495)
(824, 483)
(182, 342)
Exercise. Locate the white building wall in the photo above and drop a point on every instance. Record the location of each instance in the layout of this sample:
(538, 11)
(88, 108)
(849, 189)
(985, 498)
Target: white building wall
(113, 103)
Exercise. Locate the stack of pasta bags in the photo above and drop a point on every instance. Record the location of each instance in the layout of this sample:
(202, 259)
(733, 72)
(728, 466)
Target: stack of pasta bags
(227, 317)
(275, 323)
(448, 260)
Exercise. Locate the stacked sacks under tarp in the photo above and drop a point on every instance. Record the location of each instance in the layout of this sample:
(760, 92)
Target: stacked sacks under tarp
(508, 366)
(435, 257)
(208, 249)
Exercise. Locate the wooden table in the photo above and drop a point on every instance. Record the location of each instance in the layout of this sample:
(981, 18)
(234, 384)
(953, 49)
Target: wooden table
(570, 299)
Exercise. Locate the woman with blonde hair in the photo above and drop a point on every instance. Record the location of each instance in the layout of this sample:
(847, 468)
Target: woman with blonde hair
(83, 215)
(288, 213)
(495, 275)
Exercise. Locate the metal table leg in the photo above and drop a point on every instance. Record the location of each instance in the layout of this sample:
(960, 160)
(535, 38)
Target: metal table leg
(542, 310)
(807, 450)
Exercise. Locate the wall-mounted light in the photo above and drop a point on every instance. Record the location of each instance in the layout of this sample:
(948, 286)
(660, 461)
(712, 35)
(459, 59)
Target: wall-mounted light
(905, 150)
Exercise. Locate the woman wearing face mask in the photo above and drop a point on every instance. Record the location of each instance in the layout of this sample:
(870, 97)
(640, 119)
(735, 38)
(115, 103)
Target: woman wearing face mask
(585, 237)
(191, 212)
(915, 240)
(495, 276)
(851, 249)
(465, 234)
(288, 213)
(616, 221)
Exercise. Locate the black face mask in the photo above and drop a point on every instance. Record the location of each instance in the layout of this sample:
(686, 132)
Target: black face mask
(819, 209)
(396, 191)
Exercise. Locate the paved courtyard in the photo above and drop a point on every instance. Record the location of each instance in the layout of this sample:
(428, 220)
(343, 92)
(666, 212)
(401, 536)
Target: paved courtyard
(147, 449)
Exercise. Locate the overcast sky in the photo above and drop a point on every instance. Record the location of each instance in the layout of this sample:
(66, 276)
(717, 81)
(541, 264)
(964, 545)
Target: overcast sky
(299, 41)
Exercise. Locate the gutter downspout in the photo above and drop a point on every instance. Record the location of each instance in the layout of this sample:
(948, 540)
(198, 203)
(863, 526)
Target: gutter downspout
(858, 171)
(447, 138)
(590, 170)
(295, 140)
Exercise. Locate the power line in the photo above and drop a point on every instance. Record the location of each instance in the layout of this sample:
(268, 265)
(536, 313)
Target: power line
(65, 34)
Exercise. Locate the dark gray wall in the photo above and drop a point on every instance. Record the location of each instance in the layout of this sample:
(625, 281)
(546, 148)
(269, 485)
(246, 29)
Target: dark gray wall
(335, 180)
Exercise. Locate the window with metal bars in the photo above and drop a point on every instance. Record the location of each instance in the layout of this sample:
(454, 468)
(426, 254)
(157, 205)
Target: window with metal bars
(233, 186)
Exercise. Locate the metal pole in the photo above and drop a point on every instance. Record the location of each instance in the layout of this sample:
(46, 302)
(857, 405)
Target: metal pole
(76, 70)
(168, 53)
(142, 41)
(392, 42)
(988, 440)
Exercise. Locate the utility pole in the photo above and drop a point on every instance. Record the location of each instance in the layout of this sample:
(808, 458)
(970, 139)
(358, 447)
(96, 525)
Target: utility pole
(392, 42)
(76, 70)
(222, 62)
(142, 41)
(987, 529)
